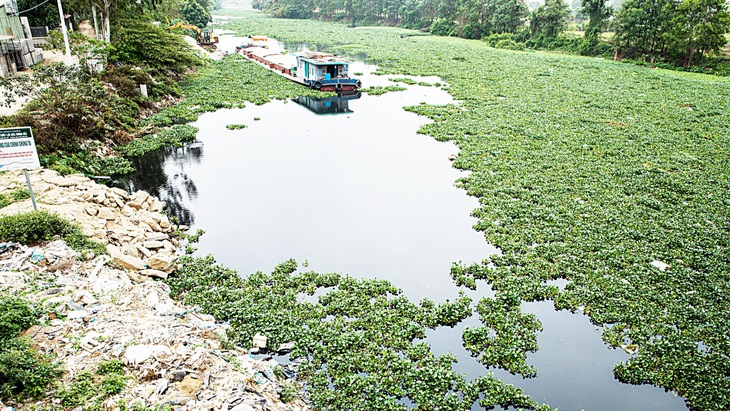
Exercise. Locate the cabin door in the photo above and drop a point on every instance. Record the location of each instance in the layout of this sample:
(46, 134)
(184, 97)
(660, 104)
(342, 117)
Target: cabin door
(306, 70)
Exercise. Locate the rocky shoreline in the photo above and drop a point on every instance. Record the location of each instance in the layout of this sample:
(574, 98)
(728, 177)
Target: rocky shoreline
(106, 307)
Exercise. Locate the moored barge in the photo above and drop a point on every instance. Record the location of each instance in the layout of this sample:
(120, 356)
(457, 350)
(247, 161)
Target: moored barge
(317, 70)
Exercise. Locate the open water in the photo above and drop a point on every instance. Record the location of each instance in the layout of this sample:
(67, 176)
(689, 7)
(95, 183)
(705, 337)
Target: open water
(348, 185)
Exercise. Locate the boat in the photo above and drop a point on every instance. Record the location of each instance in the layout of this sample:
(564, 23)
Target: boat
(314, 69)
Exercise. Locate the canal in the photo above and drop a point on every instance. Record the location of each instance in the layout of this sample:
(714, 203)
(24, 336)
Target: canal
(349, 186)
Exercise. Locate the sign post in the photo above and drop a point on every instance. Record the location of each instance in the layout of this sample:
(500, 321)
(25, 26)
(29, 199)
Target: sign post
(18, 150)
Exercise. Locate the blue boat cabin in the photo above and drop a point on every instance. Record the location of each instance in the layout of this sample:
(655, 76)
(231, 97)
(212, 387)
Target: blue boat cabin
(324, 71)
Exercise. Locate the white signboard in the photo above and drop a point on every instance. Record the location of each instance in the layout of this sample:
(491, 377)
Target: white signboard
(17, 149)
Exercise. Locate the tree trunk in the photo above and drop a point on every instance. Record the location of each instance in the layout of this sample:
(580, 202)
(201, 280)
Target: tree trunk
(107, 28)
(96, 24)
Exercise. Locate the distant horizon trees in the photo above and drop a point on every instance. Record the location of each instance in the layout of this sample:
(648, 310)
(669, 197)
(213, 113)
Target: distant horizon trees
(681, 31)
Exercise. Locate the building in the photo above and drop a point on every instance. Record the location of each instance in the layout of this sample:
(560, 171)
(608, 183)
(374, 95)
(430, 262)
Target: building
(17, 51)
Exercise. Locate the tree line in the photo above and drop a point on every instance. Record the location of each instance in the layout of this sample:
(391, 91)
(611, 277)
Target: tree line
(104, 13)
(681, 31)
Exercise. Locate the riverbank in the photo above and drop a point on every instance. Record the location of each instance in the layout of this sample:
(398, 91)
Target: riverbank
(103, 308)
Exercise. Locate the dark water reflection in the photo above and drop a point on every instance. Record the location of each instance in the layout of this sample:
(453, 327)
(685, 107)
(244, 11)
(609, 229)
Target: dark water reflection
(162, 173)
(360, 192)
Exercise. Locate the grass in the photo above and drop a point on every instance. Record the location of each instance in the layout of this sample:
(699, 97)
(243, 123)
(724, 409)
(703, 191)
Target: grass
(585, 169)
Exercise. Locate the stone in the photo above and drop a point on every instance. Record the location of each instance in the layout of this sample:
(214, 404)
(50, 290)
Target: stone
(153, 244)
(243, 407)
(118, 191)
(92, 211)
(154, 273)
(152, 223)
(165, 223)
(160, 261)
(146, 252)
(127, 210)
(58, 180)
(138, 199)
(106, 214)
(156, 237)
(129, 262)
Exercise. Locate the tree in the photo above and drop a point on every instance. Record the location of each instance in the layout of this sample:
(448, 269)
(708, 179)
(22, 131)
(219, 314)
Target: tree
(598, 13)
(550, 19)
(697, 27)
(194, 13)
(504, 16)
(640, 26)
(42, 15)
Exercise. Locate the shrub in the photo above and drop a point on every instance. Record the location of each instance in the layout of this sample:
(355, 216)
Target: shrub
(175, 135)
(38, 226)
(23, 370)
(141, 43)
(495, 38)
(509, 44)
(15, 316)
(442, 27)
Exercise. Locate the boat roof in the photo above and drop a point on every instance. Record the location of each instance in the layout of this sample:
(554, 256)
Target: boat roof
(321, 59)
(284, 60)
(260, 51)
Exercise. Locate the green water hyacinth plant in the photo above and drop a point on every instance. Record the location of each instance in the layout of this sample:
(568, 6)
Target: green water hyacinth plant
(360, 338)
(586, 170)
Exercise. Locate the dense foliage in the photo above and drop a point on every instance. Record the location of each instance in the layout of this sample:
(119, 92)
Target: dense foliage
(679, 32)
(586, 180)
(23, 370)
(360, 336)
(684, 31)
(145, 44)
(78, 114)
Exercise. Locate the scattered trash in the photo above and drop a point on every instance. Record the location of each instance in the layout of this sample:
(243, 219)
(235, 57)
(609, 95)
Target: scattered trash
(660, 265)
(259, 341)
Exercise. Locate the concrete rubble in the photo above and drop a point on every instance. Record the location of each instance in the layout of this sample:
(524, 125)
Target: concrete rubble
(109, 306)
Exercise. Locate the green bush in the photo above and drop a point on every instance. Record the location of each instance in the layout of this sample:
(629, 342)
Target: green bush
(15, 316)
(13, 196)
(442, 27)
(141, 43)
(23, 370)
(508, 44)
(38, 226)
(175, 135)
(87, 163)
(495, 38)
(90, 390)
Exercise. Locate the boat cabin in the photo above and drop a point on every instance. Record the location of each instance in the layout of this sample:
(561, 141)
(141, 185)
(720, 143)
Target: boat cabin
(324, 71)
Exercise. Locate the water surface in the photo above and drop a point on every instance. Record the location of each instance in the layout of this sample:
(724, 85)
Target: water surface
(349, 186)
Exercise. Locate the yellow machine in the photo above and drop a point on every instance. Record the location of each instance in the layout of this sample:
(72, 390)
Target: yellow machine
(203, 37)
